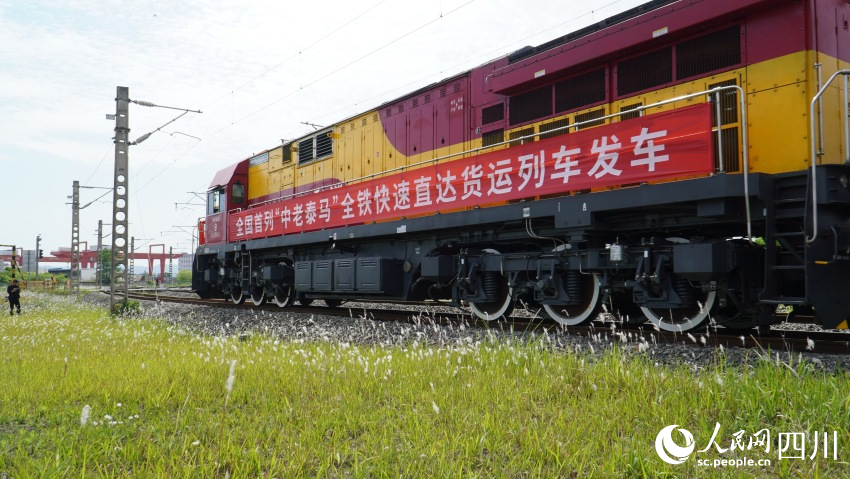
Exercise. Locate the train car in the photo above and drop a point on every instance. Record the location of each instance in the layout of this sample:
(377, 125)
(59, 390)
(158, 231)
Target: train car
(681, 162)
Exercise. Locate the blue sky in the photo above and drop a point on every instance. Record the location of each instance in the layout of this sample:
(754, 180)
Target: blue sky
(257, 70)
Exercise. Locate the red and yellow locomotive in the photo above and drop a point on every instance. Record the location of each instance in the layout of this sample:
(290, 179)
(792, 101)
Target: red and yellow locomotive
(681, 161)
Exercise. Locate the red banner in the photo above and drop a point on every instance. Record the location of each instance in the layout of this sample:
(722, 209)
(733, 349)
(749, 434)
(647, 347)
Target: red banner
(673, 144)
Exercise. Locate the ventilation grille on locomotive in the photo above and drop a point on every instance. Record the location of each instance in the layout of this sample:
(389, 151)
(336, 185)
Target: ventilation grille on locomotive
(492, 114)
(591, 115)
(729, 127)
(305, 150)
(531, 105)
(324, 145)
(646, 71)
(710, 52)
(634, 114)
(580, 91)
(492, 137)
(552, 125)
(525, 132)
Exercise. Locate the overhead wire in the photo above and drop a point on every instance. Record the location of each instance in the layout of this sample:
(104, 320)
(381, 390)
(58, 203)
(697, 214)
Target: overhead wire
(316, 42)
(86, 183)
(295, 55)
(458, 66)
(206, 137)
(343, 67)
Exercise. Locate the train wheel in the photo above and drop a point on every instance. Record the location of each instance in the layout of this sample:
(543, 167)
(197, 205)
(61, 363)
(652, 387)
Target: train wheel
(236, 295)
(491, 310)
(283, 296)
(587, 286)
(503, 305)
(679, 320)
(258, 296)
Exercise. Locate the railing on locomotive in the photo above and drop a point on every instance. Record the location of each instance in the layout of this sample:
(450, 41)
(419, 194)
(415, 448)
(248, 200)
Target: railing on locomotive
(815, 154)
(714, 91)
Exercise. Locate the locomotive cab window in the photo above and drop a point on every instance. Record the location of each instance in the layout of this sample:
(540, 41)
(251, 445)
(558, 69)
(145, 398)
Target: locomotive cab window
(237, 193)
(215, 201)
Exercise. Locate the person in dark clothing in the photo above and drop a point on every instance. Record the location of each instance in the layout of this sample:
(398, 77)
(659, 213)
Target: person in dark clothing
(14, 292)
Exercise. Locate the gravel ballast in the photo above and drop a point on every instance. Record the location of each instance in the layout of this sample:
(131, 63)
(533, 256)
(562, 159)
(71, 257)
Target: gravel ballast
(358, 328)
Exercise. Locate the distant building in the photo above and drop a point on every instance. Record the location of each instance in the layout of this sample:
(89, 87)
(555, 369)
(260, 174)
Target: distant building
(185, 262)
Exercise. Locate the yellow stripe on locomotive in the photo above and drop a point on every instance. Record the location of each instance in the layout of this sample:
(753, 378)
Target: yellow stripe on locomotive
(775, 88)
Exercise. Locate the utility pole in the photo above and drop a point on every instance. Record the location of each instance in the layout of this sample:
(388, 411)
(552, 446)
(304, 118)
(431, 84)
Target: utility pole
(37, 254)
(14, 258)
(99, 265)
(118, 288)
(14, 261)
(118, 284)
(132, 251)
(170, 266)
(75, 241)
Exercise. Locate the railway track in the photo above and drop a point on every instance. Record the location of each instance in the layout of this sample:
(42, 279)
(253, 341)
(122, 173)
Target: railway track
(774, 340)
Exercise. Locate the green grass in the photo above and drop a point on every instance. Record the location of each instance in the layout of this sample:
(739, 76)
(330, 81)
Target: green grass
(494, 408)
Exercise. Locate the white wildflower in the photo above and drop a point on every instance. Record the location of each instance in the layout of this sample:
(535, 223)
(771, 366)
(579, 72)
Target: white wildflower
(84, 417)
(228, 386)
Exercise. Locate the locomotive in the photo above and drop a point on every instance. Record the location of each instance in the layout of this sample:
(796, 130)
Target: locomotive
(684, 161)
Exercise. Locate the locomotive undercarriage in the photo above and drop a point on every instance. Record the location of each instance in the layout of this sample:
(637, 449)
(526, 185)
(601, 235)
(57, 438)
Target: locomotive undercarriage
(674, 254)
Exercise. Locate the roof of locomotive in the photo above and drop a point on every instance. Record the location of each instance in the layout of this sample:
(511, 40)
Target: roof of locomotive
(224, 175)
(529, 51)
(517, 56)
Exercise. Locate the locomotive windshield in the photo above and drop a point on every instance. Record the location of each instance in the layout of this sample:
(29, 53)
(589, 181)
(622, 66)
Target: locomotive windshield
(215, 201)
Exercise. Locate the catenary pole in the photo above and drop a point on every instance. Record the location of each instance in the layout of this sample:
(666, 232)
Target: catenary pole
(74, 279)
(118, 289)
